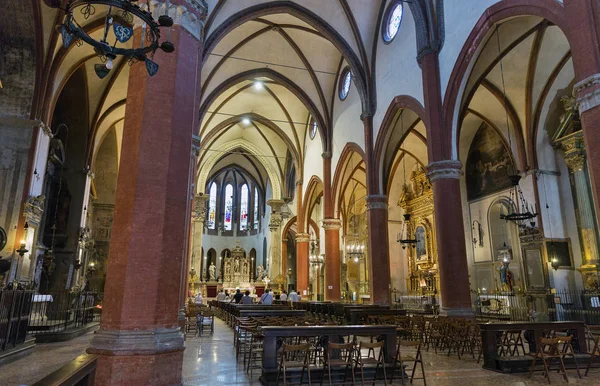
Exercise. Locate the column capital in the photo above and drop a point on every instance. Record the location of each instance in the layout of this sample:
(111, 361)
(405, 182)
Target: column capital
(377, 201)
(199, 209)
(191, 18)
(275, 204)
(302, 237)
(587, 93)
(332, 224)
(195, 145)
(574, 151)
(444, 169)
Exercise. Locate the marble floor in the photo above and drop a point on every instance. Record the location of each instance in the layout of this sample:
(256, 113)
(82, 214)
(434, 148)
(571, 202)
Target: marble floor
(210, 361)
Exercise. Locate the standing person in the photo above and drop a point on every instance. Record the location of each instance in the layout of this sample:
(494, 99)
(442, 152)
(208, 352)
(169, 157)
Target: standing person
(221, 296)
(266, 298)
(227, 296)
(246, 299)
(293, 297)
(238, 296)
(283, 297)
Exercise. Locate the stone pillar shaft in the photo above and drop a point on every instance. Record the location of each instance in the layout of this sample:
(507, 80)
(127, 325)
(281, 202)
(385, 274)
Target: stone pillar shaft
(275, 228)
(139, 341)
(378, 250)
(587, 220)
(302, 268)
(332, 259)
(450, 237)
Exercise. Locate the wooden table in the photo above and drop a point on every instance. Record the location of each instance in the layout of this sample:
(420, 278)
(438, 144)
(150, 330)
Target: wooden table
(489, 338)
(271, 333)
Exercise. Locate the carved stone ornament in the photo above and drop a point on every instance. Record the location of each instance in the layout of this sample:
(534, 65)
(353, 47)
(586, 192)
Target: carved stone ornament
(302, 237)
(446, 169)
(575, 162)
(574, 151)
(275, 222)
(377, 201)
(199, 208)
(587, 93)
(332, 224)
(34, 208)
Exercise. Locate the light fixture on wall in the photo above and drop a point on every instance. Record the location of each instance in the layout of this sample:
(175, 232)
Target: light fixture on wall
(522, 212)
(120, 17)
(477, 233)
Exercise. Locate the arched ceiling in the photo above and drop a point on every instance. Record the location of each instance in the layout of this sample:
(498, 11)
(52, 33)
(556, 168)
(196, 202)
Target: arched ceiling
(532, 57)
(271, 69)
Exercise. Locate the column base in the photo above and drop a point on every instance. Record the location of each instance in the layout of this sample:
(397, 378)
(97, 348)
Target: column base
(134, 370)
(458, 312)
(134, 357)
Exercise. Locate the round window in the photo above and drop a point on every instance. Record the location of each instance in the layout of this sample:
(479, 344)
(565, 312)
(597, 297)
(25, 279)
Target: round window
(393, 18)
(345, 82)
(313, 129)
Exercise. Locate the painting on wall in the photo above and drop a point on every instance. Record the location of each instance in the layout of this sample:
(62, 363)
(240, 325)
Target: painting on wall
(488, 164)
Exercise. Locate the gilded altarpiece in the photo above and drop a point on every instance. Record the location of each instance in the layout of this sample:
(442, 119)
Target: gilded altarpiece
(417, 199)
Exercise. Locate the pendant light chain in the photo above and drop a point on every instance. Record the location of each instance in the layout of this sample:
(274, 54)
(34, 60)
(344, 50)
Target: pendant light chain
(504, 99)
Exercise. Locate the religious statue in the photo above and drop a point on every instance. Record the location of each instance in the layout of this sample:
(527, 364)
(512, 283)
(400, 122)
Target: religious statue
(506, 276)
(228, 268)
(245, 269)
(212, 271)
(260, 271)
(236, 267)
(204, 274)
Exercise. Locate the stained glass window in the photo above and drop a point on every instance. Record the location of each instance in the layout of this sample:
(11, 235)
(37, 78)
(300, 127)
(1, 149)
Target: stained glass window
(212, 206)
(346, 81)
(313, 129)
(244, 208)
(256, 208)
(393, 20)
(228, 207)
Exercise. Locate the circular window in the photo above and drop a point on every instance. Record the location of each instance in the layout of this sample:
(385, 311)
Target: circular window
(345, 82)
(313, 129)
(393, 18)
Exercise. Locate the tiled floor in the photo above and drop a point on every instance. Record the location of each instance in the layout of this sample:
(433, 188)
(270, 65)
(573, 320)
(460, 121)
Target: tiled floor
(210, 361)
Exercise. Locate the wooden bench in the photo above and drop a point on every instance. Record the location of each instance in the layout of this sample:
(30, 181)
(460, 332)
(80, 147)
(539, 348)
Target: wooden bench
(80, 371)
(247, 313)
(356, 315)
(333, 334)
(491, 331)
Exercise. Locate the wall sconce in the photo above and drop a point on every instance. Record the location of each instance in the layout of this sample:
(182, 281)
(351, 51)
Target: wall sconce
(22, 249)
(555, 264)
(92, 268)
(477, 233)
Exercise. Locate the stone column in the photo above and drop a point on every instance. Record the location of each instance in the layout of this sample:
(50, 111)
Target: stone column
(198, 217)
(332, 258)
(284, 256)
(139, 341)
(274, 227)
(378, 249)
(302, 269)
(450, 237)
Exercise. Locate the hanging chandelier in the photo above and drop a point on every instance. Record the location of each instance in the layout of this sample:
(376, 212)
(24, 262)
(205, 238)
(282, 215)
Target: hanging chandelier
(119, 17)
(522, 212)
(404, 237)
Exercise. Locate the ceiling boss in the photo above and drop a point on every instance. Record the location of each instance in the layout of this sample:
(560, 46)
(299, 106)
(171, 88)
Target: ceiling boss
(119, 18)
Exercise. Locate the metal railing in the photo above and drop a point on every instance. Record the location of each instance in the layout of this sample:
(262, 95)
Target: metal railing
(425, 304)
(581, 306)
(15, 307)
(55, 312)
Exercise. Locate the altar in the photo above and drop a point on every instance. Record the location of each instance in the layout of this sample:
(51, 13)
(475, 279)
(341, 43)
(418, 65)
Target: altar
(238, 270)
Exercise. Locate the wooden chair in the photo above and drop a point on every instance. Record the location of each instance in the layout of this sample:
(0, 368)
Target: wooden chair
(416, 360)
(547, 349)
(361, 361)
(344, 359)
(290, 353)
(593, 354)
(255, 351)
(567, 350)
(204, 317)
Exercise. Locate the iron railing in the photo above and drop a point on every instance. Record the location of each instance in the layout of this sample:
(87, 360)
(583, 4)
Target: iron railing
(55, 312)
(581, 306)
(15, 307)
(422, 304)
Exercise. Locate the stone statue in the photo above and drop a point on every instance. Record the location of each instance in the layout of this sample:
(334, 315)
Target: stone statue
(228, 268)
(212, 270)
(245, 269)
(204, 274)
(260, 271)
(236, 267)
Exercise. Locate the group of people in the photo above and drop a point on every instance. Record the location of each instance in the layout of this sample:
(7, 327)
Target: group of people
(244, 298)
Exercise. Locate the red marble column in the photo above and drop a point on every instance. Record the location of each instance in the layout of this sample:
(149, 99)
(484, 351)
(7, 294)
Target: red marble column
(332, 259)
(450, 237)
(139, 341)
(584, 35)
(379, 268)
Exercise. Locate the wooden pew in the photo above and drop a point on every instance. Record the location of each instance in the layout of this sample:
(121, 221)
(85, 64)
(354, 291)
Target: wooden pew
(247, 313)
(355, 315)
(491, 330)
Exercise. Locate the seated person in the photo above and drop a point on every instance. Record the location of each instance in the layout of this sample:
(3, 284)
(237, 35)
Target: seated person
(246, 299)
(266, 298)
(283, 296)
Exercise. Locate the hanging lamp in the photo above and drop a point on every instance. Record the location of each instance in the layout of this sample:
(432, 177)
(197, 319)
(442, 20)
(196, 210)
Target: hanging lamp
(523, 212)
(404, 237)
